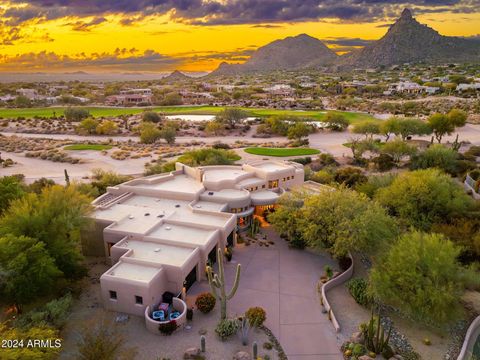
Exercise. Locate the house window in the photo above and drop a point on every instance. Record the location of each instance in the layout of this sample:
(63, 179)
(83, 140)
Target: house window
(288, 177)
(293, 177)
(263, 186)
(138, 300)
(113, 295)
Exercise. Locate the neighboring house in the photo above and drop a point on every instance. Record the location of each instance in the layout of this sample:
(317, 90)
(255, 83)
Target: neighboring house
(30, 94)
(280, 90)
(160, 232)
(411, 88)
(129, 99)
(466, 87)
(192, 97)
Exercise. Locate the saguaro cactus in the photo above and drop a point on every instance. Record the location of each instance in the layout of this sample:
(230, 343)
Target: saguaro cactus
(217, 284)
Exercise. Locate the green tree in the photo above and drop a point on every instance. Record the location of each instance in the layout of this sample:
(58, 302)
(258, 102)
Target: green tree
(55, 218)
(335, 121)
(214, 127)
(75, 114)
(22, 102)
(436, 156)
(409, 127)
(367, 128)
(298, 131)
(445, 124)
(398, 149)
(389, 127)
(11, 188)
(152, 116)
(420, 276)
(30, 270)
(423, 197)
(101, 179)
(107, 127)
(344, 220)
(278, 125)
(149, 133)
(204, 157)
(88, 126)
(231, 116)
(286, 218)
(168, 133)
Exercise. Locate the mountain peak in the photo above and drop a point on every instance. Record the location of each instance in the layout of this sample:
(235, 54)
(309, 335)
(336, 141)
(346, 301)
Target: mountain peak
(406, 14)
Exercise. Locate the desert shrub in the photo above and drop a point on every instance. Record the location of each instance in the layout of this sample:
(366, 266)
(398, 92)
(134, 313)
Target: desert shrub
(358, 350)
(384, 162)
(322, 177)
(350, 176)
(54, 314)
(227, 328)
(256, 316)
(221, 146)
(205, 302)
(151, 116)
(168, 328)
(357, 287)
(304, 161)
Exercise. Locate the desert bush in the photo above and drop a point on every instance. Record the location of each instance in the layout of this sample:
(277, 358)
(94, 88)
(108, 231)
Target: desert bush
(256, 316)
(227, 328)
(205, 302)
(357, 287)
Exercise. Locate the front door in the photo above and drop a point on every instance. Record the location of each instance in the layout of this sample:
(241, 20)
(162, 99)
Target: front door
(191, 278)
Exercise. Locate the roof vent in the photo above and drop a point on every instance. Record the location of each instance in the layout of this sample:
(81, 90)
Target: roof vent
(210, 193)
(198, 206)
(147, 214)
(168, 228)
(131, 216)
(177, 205)
(157, 250)
(160, 215)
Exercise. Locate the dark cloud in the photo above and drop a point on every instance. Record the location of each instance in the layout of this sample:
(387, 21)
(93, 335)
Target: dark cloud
(87, 25)
(215, 12)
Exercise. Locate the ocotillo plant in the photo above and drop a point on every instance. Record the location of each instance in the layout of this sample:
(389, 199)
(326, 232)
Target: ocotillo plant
(217, 284)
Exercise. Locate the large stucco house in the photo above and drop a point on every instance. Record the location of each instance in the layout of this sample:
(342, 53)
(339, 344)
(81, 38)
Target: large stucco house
(159, 232)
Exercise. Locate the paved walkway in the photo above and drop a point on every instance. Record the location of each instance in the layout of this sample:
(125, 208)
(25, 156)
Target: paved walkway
(283, 282)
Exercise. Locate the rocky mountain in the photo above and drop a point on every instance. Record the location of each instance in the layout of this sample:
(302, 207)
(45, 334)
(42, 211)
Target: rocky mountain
(408, 41)
(176, 76)
(301, 51)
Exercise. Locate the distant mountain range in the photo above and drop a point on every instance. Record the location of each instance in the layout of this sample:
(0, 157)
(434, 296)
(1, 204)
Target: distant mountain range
(406, 41)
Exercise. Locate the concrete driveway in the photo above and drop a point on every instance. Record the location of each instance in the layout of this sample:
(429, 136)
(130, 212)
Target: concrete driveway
(283, 282)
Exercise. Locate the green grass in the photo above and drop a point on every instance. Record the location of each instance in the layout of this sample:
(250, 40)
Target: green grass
(30, 113)
(281, 152)
(95, 147)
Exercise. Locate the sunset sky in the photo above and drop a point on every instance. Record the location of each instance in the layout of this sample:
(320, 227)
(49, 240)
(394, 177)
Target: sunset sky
(195, 35)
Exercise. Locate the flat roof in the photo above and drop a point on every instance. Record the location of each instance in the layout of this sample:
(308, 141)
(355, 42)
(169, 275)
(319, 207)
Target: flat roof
(177, 183)
(158, 204)
(209, 205)
(182, 234)
(271, 166)
(264, 195)
(199, 218)
(250, 181)
(230, 193)
(159, 253)
(223, 174)
(133, 271)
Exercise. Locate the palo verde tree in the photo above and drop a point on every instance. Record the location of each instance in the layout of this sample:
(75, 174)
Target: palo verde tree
(231, 116)
(344, 220)
(420, 276)
(423, 197)
(445, 124)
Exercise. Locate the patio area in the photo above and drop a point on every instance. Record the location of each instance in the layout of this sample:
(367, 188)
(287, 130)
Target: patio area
(283, 281)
